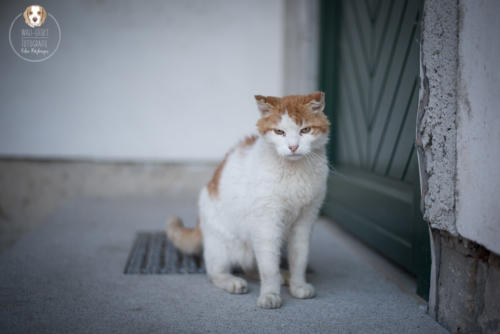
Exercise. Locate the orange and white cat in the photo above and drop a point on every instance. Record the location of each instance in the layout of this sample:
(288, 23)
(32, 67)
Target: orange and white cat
(267, 191)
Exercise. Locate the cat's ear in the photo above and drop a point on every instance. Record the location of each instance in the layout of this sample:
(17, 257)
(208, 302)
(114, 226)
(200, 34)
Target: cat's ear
(317, 103)
(263, 105)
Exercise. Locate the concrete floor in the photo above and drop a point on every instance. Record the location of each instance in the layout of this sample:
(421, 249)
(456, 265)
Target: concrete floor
(66, 276)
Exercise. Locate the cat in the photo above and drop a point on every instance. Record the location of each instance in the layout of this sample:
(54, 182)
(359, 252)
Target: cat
(267, 191)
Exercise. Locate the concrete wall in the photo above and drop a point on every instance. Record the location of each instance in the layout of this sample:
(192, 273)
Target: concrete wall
(436, 129)
(142, 80)
(478, 123)
(458, 142)
(459, 118)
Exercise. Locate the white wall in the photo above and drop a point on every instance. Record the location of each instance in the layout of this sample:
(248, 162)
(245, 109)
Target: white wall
(302, 25)
(160, 80)
(478, 124)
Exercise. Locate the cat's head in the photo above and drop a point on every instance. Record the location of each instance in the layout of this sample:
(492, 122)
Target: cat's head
(295, 125)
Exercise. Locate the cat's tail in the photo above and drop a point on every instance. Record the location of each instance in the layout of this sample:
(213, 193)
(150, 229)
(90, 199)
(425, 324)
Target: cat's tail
(187, 240)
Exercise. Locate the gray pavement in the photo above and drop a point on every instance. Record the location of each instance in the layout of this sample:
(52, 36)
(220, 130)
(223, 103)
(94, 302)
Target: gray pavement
(66, 276)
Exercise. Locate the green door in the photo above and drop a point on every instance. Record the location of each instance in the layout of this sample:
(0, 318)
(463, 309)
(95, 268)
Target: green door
(370, 69)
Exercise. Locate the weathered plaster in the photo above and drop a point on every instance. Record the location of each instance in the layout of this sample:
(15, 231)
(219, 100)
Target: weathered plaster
(436, 128)
(478, 123)
(457, 140)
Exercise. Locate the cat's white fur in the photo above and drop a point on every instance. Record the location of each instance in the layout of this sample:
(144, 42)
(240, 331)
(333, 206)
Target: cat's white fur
(267, 196)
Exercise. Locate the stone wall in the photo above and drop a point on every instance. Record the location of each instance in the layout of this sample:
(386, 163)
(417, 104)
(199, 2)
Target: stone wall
(467, 295)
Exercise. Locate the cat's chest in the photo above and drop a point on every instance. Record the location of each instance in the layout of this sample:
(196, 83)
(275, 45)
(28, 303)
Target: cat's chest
(296, 188)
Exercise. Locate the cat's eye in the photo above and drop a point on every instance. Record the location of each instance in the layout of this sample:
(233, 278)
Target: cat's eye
(305, 130)
(279, 132)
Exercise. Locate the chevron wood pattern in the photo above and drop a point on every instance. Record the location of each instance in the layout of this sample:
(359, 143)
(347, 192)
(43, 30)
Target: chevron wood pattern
(370, 71)
(378, 85)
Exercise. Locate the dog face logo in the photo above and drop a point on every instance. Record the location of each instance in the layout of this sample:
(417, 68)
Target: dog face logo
(34, 16)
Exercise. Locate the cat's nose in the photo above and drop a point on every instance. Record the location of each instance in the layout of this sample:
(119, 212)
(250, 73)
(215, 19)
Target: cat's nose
(293, 148)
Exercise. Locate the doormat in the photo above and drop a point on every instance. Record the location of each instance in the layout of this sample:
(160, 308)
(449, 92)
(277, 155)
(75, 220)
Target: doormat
(154, 253)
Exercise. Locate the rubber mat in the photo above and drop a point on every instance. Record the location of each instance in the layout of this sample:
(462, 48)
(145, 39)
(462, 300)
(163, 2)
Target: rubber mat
(153, 253)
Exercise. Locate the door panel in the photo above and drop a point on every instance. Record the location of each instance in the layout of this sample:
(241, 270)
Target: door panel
(370, 68)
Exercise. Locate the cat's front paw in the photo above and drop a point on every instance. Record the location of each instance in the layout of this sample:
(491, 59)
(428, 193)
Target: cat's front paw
(269, 300)
(236, 285)
(302, 291)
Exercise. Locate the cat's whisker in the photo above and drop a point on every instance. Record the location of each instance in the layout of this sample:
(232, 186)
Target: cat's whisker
(331, 168)
(308, 162)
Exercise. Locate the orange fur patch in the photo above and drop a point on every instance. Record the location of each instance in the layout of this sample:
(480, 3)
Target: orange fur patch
(298, 108)
(248, 141)
(213, 185)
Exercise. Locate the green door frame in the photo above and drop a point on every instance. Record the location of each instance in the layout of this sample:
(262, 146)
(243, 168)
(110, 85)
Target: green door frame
(357, 195)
